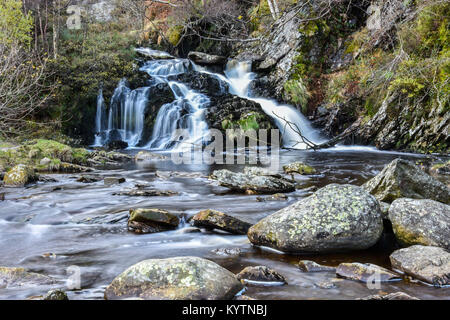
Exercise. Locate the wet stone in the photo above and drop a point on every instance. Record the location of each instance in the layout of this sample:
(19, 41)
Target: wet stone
(109, 181)
(366, 272)
(311, 266)
(261, 274)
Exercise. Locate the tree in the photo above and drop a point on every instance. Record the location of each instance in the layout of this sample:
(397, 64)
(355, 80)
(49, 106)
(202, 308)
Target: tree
(15, 26)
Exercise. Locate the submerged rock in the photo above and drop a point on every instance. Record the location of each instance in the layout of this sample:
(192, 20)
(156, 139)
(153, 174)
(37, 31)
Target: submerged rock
(403, 179)
(335, 218)
(146, 156)
(20, 277)
(274, 197)
(55, 295)
(311, 266)
(180, 278)
(89, 179)
(116, 145)
(212, 219)
(151, 220)
(390, 296)
(262, 274)
(298, 167)
(242, 182)
(426, 263)
(206, 59)
(109, 181)
(19, 176)
(227, 251)
(425, 222)
(145, 193)
(365, 272)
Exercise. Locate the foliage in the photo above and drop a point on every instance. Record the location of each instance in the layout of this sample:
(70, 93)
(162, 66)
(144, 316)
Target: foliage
(15, 26)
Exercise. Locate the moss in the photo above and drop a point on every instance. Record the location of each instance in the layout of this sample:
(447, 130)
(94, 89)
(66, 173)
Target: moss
(296, 93)
(173, 34)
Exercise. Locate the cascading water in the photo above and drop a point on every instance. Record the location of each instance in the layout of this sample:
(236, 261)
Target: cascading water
(99, 119)
(127, 109)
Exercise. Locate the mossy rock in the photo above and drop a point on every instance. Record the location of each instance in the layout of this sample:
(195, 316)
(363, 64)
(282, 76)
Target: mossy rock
(299, 167)
(180, 278)
(19, 176)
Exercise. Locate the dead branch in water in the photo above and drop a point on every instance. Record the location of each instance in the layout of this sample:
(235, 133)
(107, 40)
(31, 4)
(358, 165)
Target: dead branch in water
(311, 145)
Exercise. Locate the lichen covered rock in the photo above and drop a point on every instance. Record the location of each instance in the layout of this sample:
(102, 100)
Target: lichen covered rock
(424, 222)
(151, 220)
(299, 167)
(20, 277)
(180, 278)
(335, 218)
(426, 263)
(403, 179)
(261, 274)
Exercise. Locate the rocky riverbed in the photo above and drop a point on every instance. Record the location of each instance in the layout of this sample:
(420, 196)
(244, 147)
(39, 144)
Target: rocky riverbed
(90, 224)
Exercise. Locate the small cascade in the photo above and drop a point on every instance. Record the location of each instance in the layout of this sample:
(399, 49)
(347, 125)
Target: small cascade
(126, 117)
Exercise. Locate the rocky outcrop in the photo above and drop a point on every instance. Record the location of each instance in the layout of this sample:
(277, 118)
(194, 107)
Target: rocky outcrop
(402, 179)
(212, 219)
(366, 272)
(249, 181)
(181, 278)
(429, 264)
(151, 220)
(260, 274)
(233, 112)
(335, 218)
(424, 222)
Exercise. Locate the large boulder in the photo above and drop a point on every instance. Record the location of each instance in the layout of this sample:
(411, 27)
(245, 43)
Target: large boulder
(180, 278)
(403, 179)
(425, 222)
(426, 263)
(257, 182)
(213, 219)
(335, 218)
(19, 176)
(151, 220)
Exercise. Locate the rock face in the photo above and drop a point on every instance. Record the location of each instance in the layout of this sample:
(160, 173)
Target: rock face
(181, 278)
(213, 219)
(425, 222)
(335, 218)
(429, 264)
(365, 272)
(261, 273)
(151, 220)
(402, 179)
(298, 167)
(311, 266)
(206, 59)
(19, 176)
(248, 180)
(18, 277)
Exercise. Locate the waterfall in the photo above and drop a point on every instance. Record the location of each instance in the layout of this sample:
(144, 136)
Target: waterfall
(127, 108)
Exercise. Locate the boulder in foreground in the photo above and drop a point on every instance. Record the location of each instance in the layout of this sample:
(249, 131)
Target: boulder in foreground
(403, 179)
(180, 278)
(19, 176)
(429, 264)
(335, 218)
(425, 222)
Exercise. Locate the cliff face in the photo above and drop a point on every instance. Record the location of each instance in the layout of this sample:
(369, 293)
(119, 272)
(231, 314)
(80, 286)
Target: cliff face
(376, 72)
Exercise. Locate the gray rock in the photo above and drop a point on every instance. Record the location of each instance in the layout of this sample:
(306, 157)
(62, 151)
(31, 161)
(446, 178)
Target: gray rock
(261, 274)
(145, 193)
(89, 179)
(212, 219)
(180, 278)
(299, 167)
(20, 176)
(55, 295)
(109, 181)
(227, 251)
(390, 296)
(274, 197)
(20, 277)
(335, 218)
(425, 222)
(403, 179)
(311, 266)
(426, 263)
(325, 285)
(247, 181)
(365, 272)
(206, 59)
(151, 220)
(45, 162)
